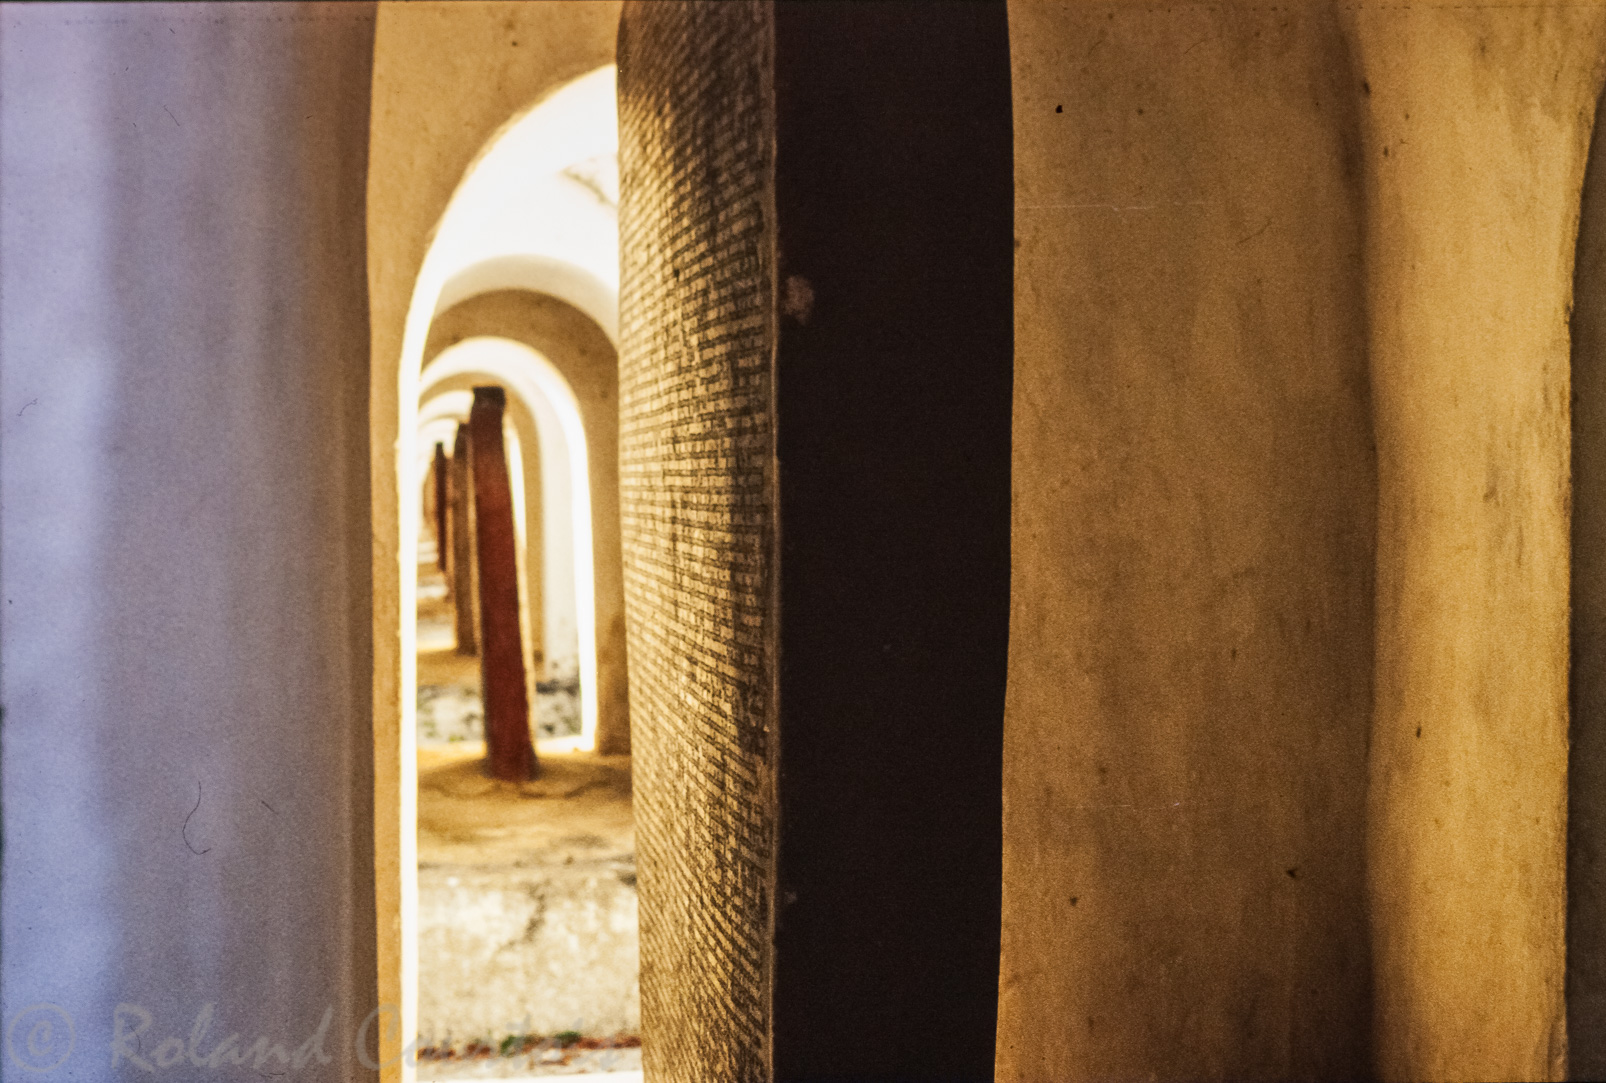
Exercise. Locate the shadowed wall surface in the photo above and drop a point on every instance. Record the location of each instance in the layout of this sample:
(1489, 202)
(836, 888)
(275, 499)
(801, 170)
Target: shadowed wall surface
(1586, 780)
(893, 189)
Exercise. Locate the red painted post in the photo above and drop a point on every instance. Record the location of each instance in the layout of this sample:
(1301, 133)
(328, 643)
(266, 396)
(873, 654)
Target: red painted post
(440, 506)
(465, 598)
(510, 751)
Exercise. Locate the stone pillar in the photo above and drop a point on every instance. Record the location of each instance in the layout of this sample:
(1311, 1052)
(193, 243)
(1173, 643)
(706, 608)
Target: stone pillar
(504, 687)
(185, 546)
(442, 515)
(814, 469)
(465, 594)
(1194, 490)
(1474, 137)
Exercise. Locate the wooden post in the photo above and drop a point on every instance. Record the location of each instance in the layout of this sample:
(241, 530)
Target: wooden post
(511, 752)
(465, 597)
(441, 515)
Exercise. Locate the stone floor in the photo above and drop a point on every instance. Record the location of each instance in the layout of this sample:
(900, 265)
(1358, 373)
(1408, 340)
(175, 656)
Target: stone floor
(527, 893)
(527, 904)
(615, 1065)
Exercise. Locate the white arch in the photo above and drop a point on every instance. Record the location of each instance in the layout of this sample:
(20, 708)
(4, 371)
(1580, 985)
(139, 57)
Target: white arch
(523, 216)
(439, 415)
(450, 407)
(537, 274)
(569, 572)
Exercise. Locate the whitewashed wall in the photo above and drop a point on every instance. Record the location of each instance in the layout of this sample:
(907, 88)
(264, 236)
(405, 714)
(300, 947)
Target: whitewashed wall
(184, 549)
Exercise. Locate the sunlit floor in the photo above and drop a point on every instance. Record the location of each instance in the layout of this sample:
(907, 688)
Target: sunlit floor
(580, 1066)
(577, 1068)
(528, 943)
(527, 904)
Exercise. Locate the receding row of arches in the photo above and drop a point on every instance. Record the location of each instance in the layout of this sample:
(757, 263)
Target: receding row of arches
(519, 288)
(516, 301)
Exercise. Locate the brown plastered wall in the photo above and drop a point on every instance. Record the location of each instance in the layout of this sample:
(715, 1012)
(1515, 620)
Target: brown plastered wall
(1476, 126)
(580, 350)
(1472, 127)
(697, 483)
(1194, 493)
(447, 77)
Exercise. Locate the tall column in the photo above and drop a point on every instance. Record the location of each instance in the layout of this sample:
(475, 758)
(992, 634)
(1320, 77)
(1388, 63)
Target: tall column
(1190, 637)
(442, 515)
(814, 470)
(188, 762)
(503, 680)
(1474, 137)
(465, 594)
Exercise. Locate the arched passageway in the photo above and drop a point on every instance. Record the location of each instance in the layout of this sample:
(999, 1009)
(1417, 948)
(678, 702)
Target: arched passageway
(532, 219)
(517, 289)
(1286, 772)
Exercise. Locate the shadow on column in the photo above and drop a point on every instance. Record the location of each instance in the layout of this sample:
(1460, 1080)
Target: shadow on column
(1586, 768)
